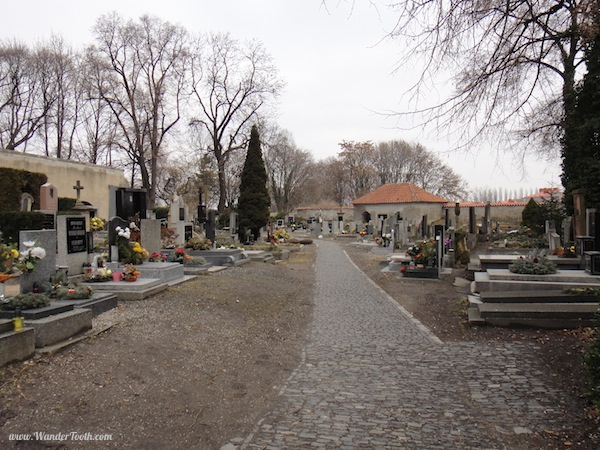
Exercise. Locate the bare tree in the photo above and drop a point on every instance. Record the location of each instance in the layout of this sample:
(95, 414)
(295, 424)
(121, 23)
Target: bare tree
(24, 101)
(98, 128)
(515, 64)
(231, 81)
(143, 68)
(288, 169)
(61, 96)
(357, 159)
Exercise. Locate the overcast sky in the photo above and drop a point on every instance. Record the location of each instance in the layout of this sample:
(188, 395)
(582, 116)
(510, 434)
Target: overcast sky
(338, 72)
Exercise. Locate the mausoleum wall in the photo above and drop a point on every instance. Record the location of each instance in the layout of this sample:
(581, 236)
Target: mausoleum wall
(63, 174)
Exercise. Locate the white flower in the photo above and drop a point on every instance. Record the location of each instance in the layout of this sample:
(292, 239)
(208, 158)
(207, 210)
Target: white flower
(38, 252)
(29, 244)
(125, 233)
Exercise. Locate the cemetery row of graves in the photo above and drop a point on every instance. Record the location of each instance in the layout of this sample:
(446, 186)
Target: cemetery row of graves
(55, 280)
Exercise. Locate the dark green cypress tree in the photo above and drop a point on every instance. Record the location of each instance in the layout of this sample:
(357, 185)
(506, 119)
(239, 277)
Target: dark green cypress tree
(532, 217)
(581, 145)
(254, 201)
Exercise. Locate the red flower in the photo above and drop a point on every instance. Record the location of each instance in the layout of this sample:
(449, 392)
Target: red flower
(180, 251)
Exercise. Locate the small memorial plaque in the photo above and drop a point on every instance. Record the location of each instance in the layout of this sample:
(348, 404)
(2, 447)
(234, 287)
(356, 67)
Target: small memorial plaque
(76, 236)
(49, 222)
(188, 232)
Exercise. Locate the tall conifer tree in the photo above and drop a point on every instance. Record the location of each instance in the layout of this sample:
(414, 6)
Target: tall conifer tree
(254, 202)
(581, 148)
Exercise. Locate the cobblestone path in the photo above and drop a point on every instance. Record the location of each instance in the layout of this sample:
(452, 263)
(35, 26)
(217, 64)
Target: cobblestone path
(374, 377)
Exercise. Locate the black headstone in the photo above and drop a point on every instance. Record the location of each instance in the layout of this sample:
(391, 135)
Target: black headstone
(596, 230)
(187, 232)
(131, 202)
(210, 225)
(472, 220)
(76, 235)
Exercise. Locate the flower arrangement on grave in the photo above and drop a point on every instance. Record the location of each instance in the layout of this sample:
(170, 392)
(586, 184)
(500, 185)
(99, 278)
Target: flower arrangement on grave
(8, 256)
(58, 287)
(97, 224)
(179, 255)
(565, 252)
(25, 301)
(423, 252)
(280, 235)
(158, 257)
(100, 275)
(128, 253)
(29, 258)
(168, 238)
(198, 243)
(386, 239)
(536, 263)
(194, 261)
(130, 273)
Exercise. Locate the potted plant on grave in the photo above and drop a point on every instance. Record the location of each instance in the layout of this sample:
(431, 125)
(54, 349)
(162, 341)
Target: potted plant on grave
(130, 273)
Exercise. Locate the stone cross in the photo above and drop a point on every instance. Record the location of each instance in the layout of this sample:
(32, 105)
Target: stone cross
(78, 187)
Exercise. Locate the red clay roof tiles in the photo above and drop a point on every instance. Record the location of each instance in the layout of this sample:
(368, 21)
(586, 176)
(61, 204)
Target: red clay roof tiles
(398, 193)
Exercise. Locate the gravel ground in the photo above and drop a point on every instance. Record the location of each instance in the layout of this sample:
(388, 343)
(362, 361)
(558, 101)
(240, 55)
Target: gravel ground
(189, 368)
(203, 362)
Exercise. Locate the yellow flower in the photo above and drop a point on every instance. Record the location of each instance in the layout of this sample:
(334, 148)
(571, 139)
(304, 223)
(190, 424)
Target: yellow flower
(15, 253)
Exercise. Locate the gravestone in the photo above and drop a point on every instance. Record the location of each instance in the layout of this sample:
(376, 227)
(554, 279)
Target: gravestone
(49, 205)
(552, 236)
(211, 225)
(487, 224)
(566, 228)
(150, 235)
(113, 223)
(579, 216)
(129, 202)
(45, 268)
(72, 243)
(179, 220)
(233, 226)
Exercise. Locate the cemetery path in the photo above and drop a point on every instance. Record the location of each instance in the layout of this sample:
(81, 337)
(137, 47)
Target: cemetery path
(372, 376)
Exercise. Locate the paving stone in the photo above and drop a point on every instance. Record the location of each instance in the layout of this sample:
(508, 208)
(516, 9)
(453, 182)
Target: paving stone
(374, 377)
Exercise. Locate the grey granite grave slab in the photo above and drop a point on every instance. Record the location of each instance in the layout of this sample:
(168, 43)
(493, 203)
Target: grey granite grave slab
(136, 290)
(165, 272)
(222, 257)
(59, 327)
(483, 282)
(15, 345)
(99, 303)
(38, 313)
(563, 276)
(503, 261)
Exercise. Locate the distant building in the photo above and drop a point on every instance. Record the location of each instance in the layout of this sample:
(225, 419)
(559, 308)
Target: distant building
(405, 207)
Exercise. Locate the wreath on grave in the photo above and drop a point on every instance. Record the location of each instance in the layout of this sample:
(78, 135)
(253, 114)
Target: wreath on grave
(25, 301)
(533, 264)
